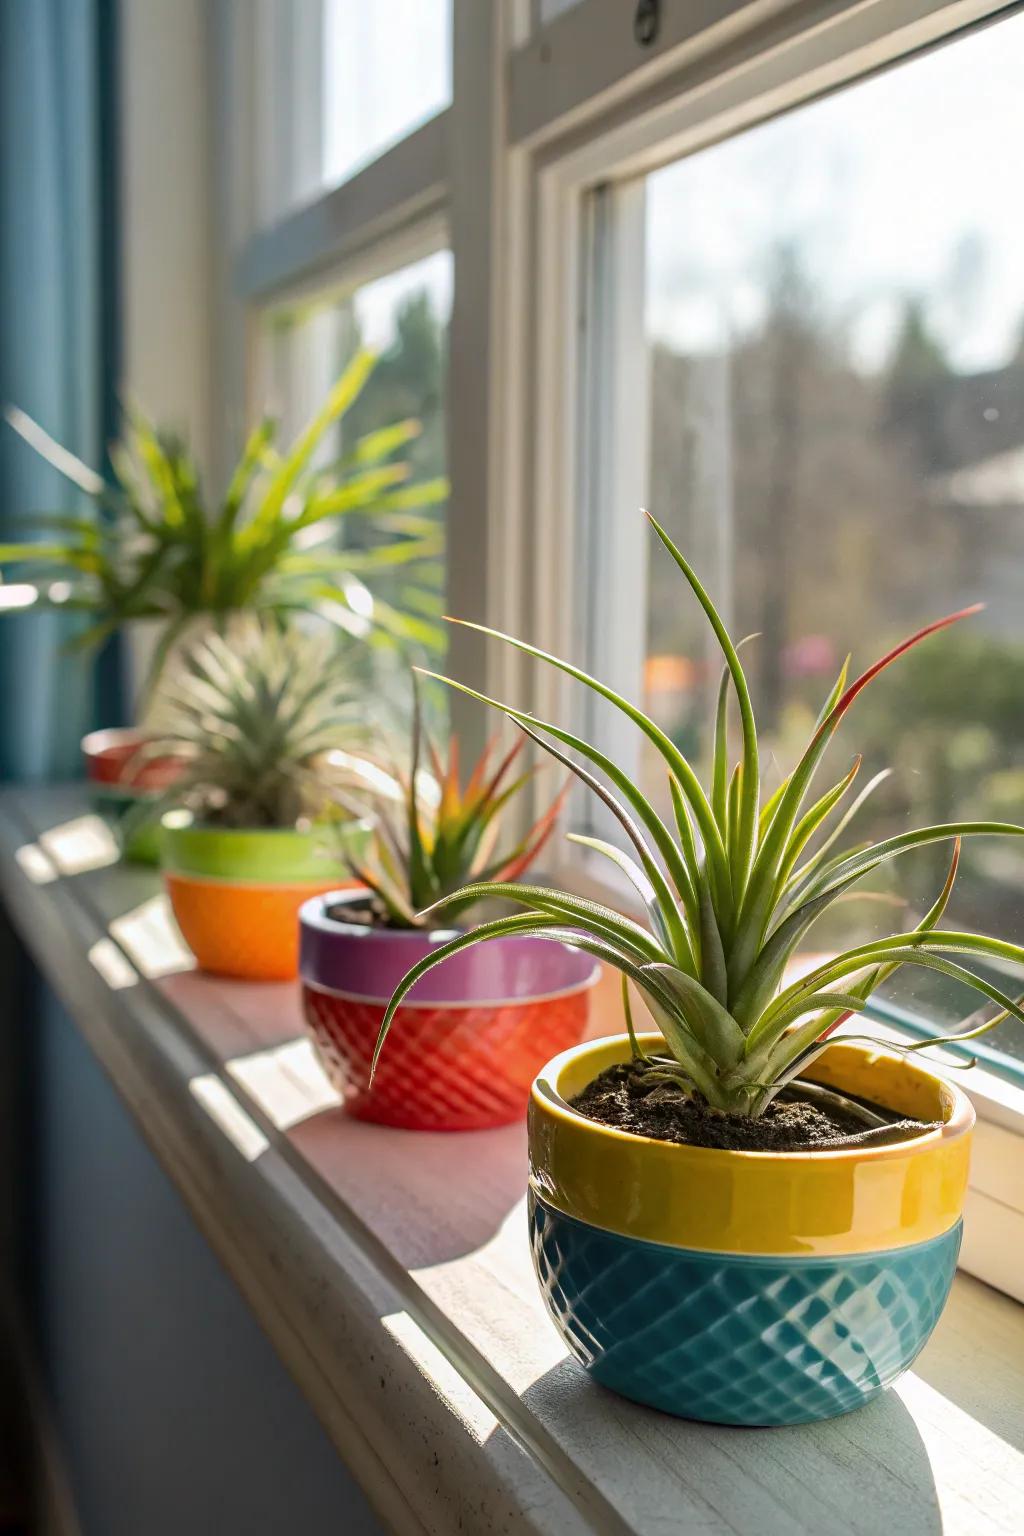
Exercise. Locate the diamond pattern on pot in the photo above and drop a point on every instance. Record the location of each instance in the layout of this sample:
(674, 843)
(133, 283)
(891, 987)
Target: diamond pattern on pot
(732, 1339)
(443, 1068)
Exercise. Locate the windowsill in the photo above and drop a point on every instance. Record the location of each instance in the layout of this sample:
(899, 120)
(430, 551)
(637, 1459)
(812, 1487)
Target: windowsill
(392, 1274)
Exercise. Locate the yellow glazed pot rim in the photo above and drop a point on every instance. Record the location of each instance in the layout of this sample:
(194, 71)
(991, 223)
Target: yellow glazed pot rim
(848, 1200)
(950, 1104)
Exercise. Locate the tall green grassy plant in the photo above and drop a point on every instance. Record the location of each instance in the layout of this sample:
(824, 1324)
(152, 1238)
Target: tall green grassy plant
(156, 550)
(731, 889)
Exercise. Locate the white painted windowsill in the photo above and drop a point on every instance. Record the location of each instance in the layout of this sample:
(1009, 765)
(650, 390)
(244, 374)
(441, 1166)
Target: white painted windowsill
(392, 1274)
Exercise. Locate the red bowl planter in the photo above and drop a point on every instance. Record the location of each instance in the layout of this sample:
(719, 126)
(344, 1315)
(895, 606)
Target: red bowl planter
(443, 1068)
(114, 760)
(464, 1049)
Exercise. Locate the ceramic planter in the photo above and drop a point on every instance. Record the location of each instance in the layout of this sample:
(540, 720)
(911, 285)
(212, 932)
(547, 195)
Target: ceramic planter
(466, 1044)
(122, 781)
(747, 1287)
(236, 894)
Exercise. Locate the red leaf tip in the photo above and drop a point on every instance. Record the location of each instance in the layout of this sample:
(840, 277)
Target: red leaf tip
(842, 705)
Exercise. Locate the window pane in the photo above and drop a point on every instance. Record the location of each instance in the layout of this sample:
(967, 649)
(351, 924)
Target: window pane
(387, 68)
(403, 318)
(835, 314)
(549, 9)
(337, 82)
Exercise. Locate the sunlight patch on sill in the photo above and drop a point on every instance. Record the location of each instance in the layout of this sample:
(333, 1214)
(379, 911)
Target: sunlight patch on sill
(81, 844)
(229, 1116)
(964, 1437)
(465, 1403)
(504, 1256)
(287, 1083)
(116, 970)
(151, 939)
(34, 864)
(17, 594)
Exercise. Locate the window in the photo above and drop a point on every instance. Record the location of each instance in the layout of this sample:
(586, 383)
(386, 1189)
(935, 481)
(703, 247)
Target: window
(834, 319)
(759, 273)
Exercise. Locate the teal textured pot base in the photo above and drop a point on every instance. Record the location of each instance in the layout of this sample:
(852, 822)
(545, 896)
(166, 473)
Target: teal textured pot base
(733, 1339)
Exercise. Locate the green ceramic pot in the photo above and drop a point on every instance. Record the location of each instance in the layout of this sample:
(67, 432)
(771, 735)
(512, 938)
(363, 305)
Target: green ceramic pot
(264, 856)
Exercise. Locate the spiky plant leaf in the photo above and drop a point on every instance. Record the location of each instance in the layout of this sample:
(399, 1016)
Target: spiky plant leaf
(451, 838)
(254, 716)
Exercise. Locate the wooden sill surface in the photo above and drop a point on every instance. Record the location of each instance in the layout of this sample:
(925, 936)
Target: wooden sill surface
(392, 1274)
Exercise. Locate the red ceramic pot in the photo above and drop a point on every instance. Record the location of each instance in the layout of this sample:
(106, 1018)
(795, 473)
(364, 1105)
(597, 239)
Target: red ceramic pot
(114, 759)
(468, 1041)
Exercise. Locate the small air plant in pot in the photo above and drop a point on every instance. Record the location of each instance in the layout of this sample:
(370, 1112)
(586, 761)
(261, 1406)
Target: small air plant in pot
(473, 1036)
(263, 723)
(741, 1217)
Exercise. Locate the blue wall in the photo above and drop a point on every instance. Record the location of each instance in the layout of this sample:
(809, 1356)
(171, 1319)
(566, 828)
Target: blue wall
(176, 1416)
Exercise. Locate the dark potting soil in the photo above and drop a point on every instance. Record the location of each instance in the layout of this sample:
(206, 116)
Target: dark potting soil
(634, 1098)
(370, 912)
(367, 912)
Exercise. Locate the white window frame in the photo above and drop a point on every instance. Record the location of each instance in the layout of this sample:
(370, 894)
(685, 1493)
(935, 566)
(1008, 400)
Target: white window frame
(532, 176)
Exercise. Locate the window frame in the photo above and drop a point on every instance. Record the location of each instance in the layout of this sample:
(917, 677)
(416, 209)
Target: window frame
(533, 177)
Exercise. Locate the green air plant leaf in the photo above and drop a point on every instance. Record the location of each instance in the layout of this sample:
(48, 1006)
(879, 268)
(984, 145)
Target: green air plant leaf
(689, 784)
(682, 875)
(748, 775)
(731, 891)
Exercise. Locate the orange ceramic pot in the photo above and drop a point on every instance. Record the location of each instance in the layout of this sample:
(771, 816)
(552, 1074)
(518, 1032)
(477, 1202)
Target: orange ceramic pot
(236, 894)
(463, 1050)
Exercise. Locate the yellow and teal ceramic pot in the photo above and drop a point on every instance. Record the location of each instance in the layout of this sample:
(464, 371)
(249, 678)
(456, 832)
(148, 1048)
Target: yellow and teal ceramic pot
(236, 893)
(747, 1287)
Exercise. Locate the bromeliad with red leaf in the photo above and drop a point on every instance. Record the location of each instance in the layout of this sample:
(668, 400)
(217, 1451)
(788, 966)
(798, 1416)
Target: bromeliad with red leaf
(448, 838)
(473, 1037)
(731, 889)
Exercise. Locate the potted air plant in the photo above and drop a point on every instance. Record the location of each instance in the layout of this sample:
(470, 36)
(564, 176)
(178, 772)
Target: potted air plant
(261, 722)
(740, 1218)
(158, 561)
(474, 1036)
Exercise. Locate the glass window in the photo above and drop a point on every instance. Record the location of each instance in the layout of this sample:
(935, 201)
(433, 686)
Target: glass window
(835, 323)
(337, 82)
(403, 318)
(548, 10)
(387, 68)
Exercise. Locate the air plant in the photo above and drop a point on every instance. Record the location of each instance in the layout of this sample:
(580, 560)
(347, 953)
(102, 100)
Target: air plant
(157, 551)
(448, 839)
(731, 890)
(258, 718)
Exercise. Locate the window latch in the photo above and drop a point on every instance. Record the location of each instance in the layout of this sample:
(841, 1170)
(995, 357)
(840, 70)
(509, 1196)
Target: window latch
(647, 21)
